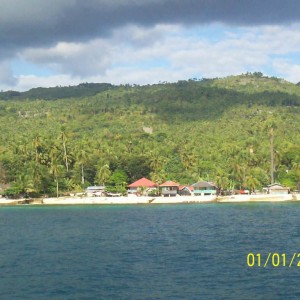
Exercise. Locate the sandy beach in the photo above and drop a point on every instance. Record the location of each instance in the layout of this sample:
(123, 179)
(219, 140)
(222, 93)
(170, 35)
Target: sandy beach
(259, 198)
(129, 200)
(152, 200)
(109, 200)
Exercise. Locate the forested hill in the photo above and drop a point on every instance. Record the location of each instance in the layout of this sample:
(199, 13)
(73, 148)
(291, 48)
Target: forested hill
(211, 129)
(59, 92)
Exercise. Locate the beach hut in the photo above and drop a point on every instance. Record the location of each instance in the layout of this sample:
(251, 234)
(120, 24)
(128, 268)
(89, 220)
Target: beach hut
(94, 191)
(277, 188)
(141, 186)
(203, 188)
(169, 188)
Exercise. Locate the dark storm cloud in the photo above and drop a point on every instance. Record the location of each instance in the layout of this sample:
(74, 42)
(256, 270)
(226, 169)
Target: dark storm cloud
(33, 23)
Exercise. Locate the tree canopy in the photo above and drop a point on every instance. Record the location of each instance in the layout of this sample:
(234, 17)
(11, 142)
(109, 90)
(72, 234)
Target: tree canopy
(60, 139)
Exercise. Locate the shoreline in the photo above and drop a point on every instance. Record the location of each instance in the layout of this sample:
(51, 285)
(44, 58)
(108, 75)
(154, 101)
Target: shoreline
(152, 200)
(259, 198)
(130, 200)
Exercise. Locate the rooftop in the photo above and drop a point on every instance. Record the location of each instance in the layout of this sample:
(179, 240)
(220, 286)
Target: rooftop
(203, 184)
(143, 182)
(169, 183)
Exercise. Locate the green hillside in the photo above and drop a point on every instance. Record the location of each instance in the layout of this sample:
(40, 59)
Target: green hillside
(211, 129)
(81, 90)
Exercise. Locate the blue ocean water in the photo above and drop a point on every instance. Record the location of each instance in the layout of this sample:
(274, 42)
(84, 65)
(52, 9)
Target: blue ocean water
(196, 251)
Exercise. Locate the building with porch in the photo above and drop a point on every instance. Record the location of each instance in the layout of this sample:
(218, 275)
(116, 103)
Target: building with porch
(169, 188)
(203, 188)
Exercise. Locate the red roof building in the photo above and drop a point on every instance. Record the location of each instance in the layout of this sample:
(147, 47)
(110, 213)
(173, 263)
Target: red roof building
(141, 186)
(170, 183)
(169, 188)
(143, 182)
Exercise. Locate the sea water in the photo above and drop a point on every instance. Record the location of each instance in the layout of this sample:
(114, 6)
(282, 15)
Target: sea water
(194, 251)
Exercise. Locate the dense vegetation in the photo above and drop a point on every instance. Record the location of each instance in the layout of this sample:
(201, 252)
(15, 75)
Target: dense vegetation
(60, 139)
(81, 90)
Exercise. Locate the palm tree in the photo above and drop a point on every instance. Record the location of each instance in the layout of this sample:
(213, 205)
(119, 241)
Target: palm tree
(25, 183)
(159, 177)
(81, 158)
(37, 144)
(221, 180)
(63, 138)
(238, 173)
(251, 183)
(103, 173)
(157, 162)
(69, 184)
(55, 170)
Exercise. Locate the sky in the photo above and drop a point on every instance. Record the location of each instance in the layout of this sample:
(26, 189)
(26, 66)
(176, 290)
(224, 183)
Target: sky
(59, 43)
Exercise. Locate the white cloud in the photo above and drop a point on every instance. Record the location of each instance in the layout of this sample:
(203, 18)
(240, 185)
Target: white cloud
(166, 53)
(290, 71)
(76, 59)
(26, 82)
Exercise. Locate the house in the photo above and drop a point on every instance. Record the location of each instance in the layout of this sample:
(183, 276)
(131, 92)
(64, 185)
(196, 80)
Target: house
(169, 188)
(202, 188)
(277, 188)
(94, 191)
(185, 190)
(141, 186)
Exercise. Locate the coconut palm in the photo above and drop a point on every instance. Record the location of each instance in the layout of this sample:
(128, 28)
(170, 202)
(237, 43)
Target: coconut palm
(56, 171)
(63, 138)
(103, 173)
(25, 183)
(81, 155)
(251, 183)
